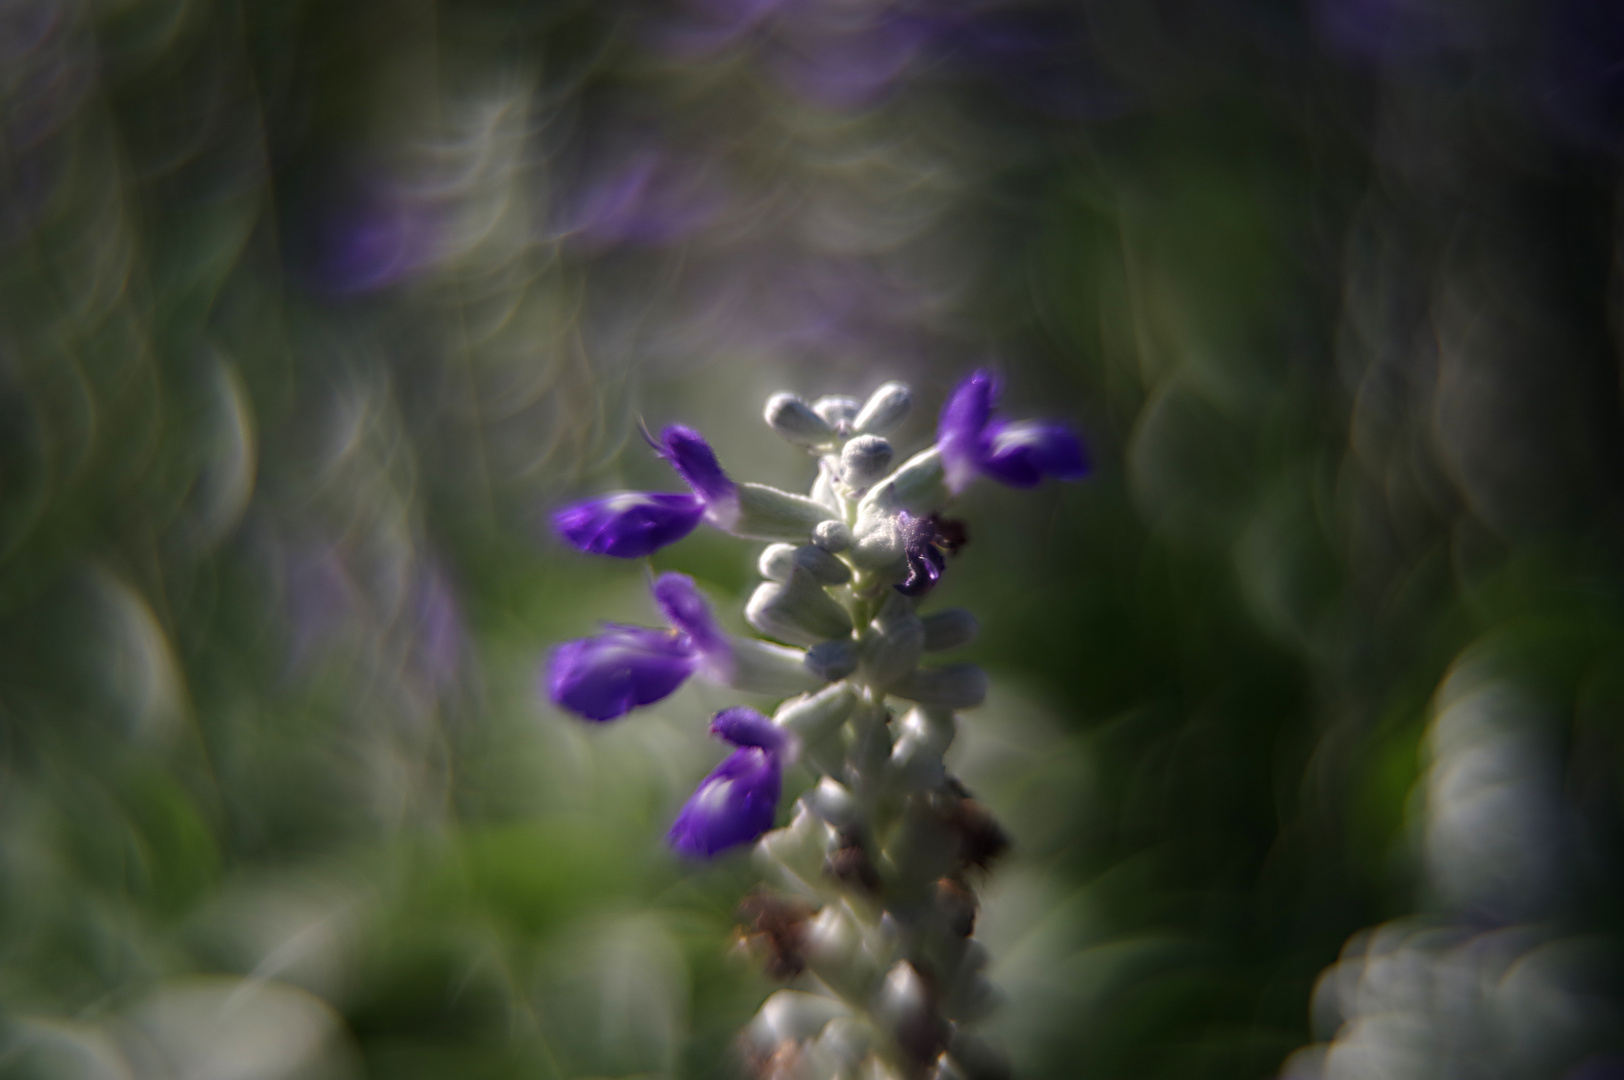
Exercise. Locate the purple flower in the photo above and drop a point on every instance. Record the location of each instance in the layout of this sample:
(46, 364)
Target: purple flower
(631, 524)
(927, 543)
(735, 804)
(1019, 454)
(625, 667)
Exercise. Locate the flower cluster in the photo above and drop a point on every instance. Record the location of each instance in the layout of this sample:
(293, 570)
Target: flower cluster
(875, 910)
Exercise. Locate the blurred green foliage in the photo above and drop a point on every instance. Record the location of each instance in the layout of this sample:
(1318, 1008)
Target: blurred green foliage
(303, 330)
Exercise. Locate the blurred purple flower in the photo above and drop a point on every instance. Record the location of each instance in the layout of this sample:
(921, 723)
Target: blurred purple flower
(1392, 31)
(604, 677)
(370, 239)
(840, 59)
(439, 626)
(735, 804)
(1581, 78)
(631, 524)
(648, 199)
(1019, 454)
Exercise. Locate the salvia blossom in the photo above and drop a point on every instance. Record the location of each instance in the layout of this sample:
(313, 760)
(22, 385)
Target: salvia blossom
(880, 855)
(604, 677)
(631, 524)
(735, 804)
(1018, 454)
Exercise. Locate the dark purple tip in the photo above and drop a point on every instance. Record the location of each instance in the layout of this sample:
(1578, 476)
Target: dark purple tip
(607, 676)
(927, 541)
(684, 605)
(696, 463)
(629, 524)
(732, 806)
(743, 726)
(1023, 454)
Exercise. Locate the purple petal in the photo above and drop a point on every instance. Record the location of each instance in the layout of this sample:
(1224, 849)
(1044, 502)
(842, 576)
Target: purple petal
(960, 434)
(629, 524)
(924, 571)
(742, 726)
(696, 463)
(733, 805)
(607, 676)
(684, 605)
(1022, 454)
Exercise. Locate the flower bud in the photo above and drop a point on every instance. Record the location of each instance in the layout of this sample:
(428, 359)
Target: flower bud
(793, 1016)
(878, 544)
(765, 513)
(864, 460)
(966, 994)
(795, 854)
(817, 716)
(832, 802)
(797, 611)
(838, 411)
(795, 421)
(831, 660)
(885, 409)
(918, 486)
(952, 686)
(762, 668)
(950, 628)
(924, 736)
(906, 1004)
(871, 744)
(835, 952)
(779, 560)
(844, 1044)
(823, 490)
(776, 562)
(832, 536)
(892, 646)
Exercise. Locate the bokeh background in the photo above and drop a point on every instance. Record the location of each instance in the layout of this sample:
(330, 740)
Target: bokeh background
(1306, 709)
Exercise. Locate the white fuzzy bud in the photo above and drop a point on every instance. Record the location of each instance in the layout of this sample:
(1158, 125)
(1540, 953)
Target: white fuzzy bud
(835, 952)
(864, 460)
(877, 543)
(871, 743)
(818, 716)
(778, 561)
(838, 411)
(952, 686)
(797, 611)
(891, 647)
(795, 854)
(844, 1044)
(833, 802)
(925, 735)
(832, 660)
(950, 628)
(885, 409)
(832, 536)
(794, 420)
(765, 513)
(761, 668)
(918, 485)
(792, 1016)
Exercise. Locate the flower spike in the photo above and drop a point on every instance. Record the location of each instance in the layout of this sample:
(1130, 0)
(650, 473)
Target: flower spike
(1019, 454)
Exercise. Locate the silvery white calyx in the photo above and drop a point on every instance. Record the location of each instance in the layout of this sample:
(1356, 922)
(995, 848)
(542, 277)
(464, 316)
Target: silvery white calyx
(871, 910)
